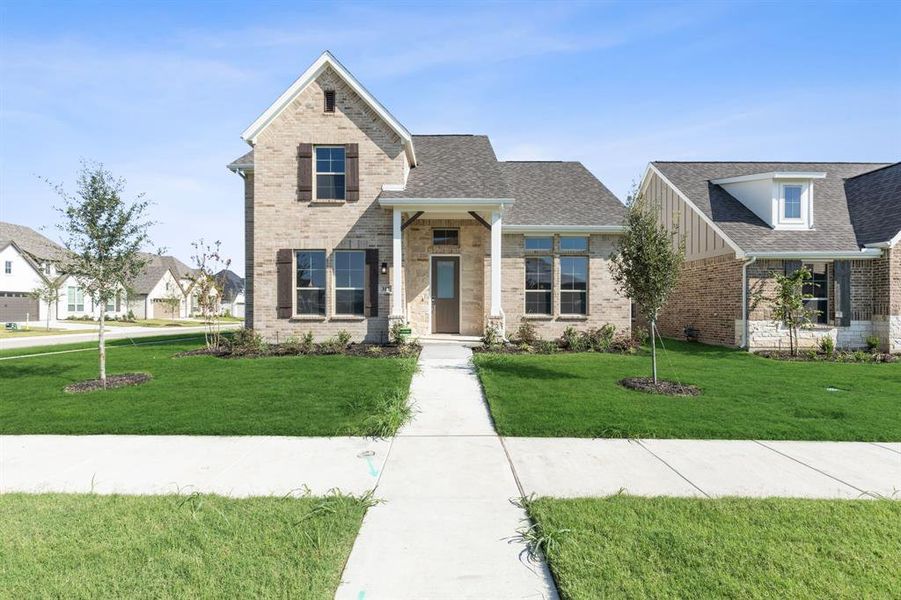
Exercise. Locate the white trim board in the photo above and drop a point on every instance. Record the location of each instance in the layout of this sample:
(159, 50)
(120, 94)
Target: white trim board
(326, 60)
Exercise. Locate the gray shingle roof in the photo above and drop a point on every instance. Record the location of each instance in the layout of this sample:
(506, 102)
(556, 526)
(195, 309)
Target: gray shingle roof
(39, 246)
(559, 193)
(832, 231)
(874, 200)
(453, 166)
(155, 269)
(242, 162)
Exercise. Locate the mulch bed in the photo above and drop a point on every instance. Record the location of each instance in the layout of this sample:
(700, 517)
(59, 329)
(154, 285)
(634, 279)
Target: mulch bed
(837, 356)
(364, 350)
(112, 382)
(664, 387)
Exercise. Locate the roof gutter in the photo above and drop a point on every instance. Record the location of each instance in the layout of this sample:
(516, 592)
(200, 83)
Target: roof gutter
(886, 244)
(863, 253)
(525, 229)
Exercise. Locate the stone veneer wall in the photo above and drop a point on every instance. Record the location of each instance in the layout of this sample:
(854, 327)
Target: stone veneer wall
(708, 298)
(474, 245)
(276, 219)
(887, 295)
(605, 304)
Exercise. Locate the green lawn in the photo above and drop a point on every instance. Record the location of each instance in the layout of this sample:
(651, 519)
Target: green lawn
(89, 546)
(743, 396)
(626, 546)
(202, 395)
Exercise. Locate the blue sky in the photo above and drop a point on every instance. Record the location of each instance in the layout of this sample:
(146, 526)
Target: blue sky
(161, 92)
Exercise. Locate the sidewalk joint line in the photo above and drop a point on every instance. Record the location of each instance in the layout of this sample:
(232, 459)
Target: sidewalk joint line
(879, 445)
(800, 462)
(674, 470)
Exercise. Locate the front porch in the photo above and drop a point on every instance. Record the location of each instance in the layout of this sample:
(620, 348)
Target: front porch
(446, 265)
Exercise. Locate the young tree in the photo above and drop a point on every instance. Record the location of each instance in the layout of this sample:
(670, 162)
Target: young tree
(207, 288)
(646, 263)
(47, 292)
(103, 235)
(789, 304)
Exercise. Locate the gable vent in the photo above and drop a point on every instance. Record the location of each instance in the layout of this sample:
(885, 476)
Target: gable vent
(329, 101)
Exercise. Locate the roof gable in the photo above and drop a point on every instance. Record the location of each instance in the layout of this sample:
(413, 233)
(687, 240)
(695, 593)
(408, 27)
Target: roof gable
(874, 200)
(325, 61)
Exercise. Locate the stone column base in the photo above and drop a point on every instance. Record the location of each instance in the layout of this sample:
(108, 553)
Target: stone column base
(498, 323)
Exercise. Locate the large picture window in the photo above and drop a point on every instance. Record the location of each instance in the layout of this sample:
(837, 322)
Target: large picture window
(74, 299)
(539, 279)
(573, 285)
(310, 282)
(330, 173)
(816, 287)
(350, 283)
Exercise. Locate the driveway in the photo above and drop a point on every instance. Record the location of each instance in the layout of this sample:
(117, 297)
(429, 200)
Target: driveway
(113, 333)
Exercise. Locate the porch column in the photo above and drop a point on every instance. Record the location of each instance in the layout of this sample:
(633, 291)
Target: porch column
(397, 296)
(496, 224)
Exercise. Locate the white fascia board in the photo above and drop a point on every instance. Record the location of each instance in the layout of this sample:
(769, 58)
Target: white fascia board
(863, 253)
(771, 175)
(245, 167)
(324, 61)
(739, 253)
(888, 243)
(563, 229)
(444, 203)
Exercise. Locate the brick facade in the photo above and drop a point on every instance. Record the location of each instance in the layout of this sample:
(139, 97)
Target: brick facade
(707, 298)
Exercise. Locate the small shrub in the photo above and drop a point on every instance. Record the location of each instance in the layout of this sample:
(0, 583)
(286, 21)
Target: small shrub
(811, 353)
(292, 344)
(600, 339)
(492, 336)
(641, 335)
(545, 347)
(397, 337)
(574, 340)
(827, 345)
(130, 316)
(524, 347)
(624, 344)
(526, 334)
(343, 338)
(861, 356)
(873, 342)
(247, 341)
(332, 346)
(306, 343)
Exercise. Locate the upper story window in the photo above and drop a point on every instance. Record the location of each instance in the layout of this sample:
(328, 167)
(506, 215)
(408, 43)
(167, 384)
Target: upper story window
(540, 243)
(310, 282)
(8, 267)
(445, 237)
(329, 101)
(574, 243)
(330, 173)
(791, 202)
(46, 268)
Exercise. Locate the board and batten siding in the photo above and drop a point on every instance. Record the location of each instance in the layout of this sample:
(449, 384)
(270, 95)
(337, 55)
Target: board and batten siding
(701, 241)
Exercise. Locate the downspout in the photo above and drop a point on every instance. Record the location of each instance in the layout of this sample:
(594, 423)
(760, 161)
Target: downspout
(745, 301)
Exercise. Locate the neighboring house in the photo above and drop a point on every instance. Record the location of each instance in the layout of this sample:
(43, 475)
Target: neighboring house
(232, 286)
(353, 223)
(27, 260)
(743, 221)
(162, 291)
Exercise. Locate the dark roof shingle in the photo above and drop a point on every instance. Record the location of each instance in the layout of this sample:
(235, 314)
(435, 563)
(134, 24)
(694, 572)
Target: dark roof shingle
(28, 240)
(874, 200)
(832, 230)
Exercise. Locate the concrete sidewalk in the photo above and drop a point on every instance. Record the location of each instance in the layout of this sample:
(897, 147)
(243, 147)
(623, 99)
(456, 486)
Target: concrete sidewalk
(446, 528)
(113, 333)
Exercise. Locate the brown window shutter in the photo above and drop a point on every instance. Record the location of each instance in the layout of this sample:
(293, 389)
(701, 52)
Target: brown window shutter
(352, 171)
(284, 261)
(305, 172)
(372, 261)
(842, 274)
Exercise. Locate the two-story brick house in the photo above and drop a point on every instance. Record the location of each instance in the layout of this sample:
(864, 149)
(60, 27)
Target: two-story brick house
(352, 223)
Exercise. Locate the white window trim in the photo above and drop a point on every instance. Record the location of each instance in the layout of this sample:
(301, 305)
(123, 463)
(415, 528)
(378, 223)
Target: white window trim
(315, 185)
(526, 291)
(806, 219)
(313, 316)
(74, 304)
(561, 291)
(335, 269)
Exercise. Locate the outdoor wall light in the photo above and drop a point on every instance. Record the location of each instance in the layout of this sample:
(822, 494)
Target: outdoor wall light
(384, 268)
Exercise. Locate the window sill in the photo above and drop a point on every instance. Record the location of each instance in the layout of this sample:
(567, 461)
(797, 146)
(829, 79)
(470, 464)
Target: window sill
(538, 317)
(316, 202)
(347, 318)
(307, 318)
(573, 317)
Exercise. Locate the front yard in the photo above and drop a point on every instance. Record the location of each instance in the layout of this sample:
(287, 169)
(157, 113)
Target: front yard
(626, 546)
(90, 546)
(743, 396)
(203, 395)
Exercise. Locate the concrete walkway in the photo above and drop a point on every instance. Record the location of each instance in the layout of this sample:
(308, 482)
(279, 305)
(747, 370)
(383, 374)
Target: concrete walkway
(113, 333)
(446, 525)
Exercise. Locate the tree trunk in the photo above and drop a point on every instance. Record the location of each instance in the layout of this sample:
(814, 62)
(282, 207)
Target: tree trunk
(102, 344)
(654, 350)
